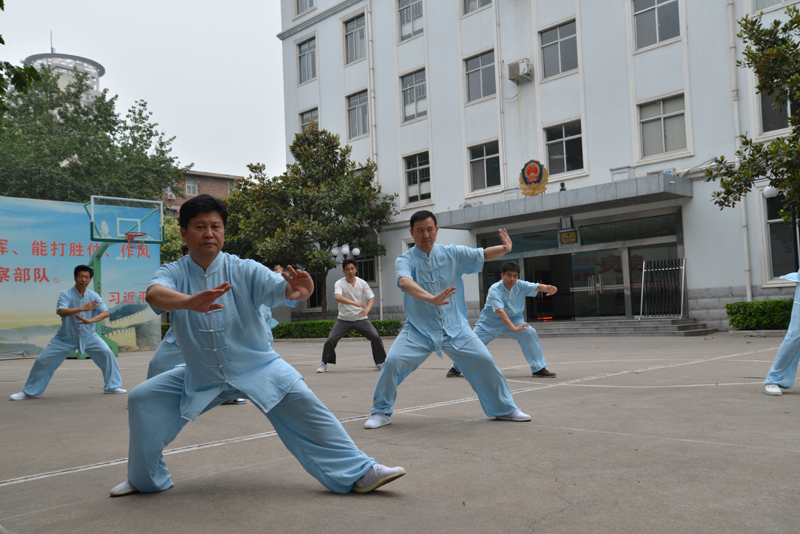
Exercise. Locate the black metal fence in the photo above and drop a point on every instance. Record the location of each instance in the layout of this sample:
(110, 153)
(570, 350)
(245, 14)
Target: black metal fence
(663, 284)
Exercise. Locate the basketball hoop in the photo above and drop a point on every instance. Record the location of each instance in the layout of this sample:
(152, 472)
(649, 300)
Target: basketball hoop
(135, 237)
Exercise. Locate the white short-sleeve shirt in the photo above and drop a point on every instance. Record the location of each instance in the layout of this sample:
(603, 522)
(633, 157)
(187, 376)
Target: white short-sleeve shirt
(359, 292)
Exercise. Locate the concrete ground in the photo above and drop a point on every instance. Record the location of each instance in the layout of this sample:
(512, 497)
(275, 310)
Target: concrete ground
(640, 435)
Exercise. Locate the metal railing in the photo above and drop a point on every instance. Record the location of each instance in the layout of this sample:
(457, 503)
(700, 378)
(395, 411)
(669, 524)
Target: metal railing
(663, 286)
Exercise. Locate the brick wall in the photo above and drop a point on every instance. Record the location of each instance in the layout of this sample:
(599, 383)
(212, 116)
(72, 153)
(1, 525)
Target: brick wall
(206, 184)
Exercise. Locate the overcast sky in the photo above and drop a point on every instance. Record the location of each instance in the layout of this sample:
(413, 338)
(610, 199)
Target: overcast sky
(210, 71)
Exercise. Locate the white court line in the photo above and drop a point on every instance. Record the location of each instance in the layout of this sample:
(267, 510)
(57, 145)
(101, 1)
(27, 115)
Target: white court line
(4, 530)
(240, 439)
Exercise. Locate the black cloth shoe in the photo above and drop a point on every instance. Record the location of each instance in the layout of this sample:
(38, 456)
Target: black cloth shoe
(453, 372)
(544, 373)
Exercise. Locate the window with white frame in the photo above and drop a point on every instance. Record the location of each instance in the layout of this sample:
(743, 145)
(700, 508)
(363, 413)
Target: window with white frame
(366, 269)
(764, 4)
(474, 5)
(782, 239)
(484, 165)
(304, 5)
(418, 177)
(415, 98)
(564, 147)
(663, 126)
(307, 116)
(308, 60)
(559, 49)
(480, 76)
(357, 115)
(774, 117)
(191, 188)
(355, 38)
(410, 18)
(655, 21)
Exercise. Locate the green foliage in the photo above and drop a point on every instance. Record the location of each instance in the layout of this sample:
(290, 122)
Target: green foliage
(760, 315)
(164, 328)
(57, 147)
(773, 53)
(321, 329)
(320, 202)
(171, 249)
(14, 78)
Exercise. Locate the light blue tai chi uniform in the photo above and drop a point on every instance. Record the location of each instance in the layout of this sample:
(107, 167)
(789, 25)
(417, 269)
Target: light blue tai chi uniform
(445, 328)
(168, 354)
(228, 355)
(784, 368)
(512, 301)
(74, 336)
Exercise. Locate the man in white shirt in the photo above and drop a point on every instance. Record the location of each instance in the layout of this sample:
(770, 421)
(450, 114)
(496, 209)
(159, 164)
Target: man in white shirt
(355, 300)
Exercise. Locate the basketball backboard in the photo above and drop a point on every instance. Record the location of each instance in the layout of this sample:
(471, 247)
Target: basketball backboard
(112, 218)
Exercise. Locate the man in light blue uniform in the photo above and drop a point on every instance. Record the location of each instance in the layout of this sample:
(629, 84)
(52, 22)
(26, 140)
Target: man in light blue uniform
(79, 308)
(502, 314)
(428, 275)
(784, 369)
(214, 300)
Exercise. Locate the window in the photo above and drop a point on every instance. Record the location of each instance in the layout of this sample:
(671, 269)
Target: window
(559, 50)
(315, 300)
(782, 239)
(366, 269)
(480, 76)
(474, 5)
(764, 4)
(415, 100)
(410, 18)
(355, 38)
(484, 165)
(663, 126)
(357, 115)
(307, 116)
(656, 21)
(564, 147)
(304, 5)
(772, 117)
(191, 188)
(418, 177)
(308, 62)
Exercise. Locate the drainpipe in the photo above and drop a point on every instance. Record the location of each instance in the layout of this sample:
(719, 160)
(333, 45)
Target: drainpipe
(737, 132)
(380, 278)
(501, 94)
(371, 65)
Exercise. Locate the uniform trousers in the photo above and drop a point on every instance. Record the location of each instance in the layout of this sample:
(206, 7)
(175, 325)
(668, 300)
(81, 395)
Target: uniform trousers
(54, 355)
(479, 368)
(784, 368)
(307, 428)
(342, 328)
(167, 356)
(528, 341)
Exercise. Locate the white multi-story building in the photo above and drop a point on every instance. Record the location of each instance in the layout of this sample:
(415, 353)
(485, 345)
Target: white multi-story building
(624, 101)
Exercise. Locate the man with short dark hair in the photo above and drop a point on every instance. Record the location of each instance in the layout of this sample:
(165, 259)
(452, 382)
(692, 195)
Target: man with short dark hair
(79, 308)
(214, 300)
(429, 275)
(355, 299)
(502, 314)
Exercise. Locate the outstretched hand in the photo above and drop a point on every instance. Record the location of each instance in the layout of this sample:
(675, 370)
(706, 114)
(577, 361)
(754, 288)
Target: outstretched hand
(89, 306)
(299, 282)
(83, 320)
(204, 300)
(505, 239)
(440, 299)
(547, 289)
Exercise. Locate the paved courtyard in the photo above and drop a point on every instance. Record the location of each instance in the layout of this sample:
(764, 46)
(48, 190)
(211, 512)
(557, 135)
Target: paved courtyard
(639, 435)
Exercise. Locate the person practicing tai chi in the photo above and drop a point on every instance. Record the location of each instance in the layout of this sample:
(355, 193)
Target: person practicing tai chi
(79, 308)
(502, 314)
(214, 300)
(433, 298)
(784, 369)
(355, 300)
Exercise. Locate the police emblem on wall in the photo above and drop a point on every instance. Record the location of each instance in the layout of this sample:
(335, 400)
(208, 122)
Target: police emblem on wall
(533, 178)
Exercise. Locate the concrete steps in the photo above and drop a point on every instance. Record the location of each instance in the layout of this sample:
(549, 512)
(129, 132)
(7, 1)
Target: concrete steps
(623, 327)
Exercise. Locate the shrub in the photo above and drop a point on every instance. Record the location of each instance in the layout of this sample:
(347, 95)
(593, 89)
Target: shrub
(321, 329)
(760, 315)
(164, 328)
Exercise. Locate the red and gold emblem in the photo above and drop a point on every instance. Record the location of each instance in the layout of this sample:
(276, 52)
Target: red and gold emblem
(533, 178)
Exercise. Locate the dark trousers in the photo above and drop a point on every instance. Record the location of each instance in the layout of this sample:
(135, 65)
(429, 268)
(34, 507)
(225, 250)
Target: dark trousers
(342, 328)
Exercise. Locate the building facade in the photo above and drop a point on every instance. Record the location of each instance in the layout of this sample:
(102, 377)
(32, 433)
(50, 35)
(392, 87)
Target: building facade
(198, 183)
(625, 102)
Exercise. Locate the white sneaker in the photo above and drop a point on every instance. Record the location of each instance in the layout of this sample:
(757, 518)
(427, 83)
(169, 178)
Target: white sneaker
(126, 488)
(378, 366)
(377, 476)
(21, 396)
(377, 420)
(769, 389)
(322, 367)
(116, 390)
(517, 416)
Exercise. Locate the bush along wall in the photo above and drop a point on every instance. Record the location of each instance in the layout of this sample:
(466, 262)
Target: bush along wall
(321, 329)
(760, 315)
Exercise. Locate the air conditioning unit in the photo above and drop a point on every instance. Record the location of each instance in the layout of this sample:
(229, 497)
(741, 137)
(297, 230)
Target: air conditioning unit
(170, 196)
(519, 70)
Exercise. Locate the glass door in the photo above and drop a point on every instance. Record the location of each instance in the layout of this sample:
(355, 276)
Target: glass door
(598, 286)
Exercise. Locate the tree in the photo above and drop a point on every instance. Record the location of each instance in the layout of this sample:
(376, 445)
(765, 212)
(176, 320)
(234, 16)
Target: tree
(171, 248)
(14, 78)
(774, 55)
(320, 202)
(58, 145)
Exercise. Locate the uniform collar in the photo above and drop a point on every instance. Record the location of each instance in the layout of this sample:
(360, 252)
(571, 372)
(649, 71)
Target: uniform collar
(419, 254)
(211, 269)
